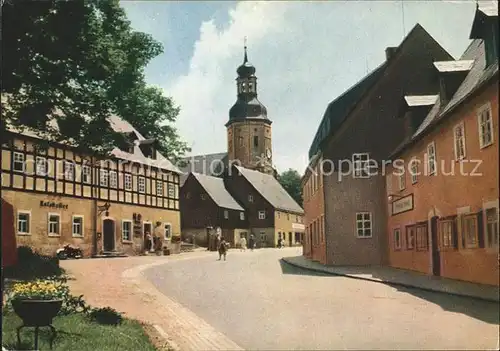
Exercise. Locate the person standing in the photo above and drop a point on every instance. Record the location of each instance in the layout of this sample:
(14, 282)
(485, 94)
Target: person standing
(252, 242)
(243, 244)
(222, 249)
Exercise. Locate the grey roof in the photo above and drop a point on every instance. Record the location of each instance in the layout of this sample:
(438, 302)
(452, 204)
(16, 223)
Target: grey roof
(118, 125)
(489, 7)
(209, 164)
(478, 75)
(271, 190)
(454, 66)
(421, 100)
(215, 188)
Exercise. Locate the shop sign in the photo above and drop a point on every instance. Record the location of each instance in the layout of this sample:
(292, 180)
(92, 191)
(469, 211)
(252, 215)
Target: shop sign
(402, 205)
(52, 204)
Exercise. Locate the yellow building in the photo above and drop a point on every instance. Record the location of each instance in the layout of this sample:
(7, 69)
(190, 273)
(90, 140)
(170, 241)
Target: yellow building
(61, 196)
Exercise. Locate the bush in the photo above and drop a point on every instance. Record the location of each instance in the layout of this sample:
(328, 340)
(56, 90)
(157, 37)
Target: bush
(32, 265)
(106, 315)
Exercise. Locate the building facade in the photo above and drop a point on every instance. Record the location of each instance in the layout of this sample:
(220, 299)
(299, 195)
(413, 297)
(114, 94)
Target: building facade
(444, 205)
(62, 196)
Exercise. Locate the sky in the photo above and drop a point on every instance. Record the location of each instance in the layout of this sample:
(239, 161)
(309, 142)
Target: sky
(305, 53)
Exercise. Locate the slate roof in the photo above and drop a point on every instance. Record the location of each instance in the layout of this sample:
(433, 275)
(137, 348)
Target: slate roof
(118, 125)
(269, 187)
(477, 76)
(209, 164)
(454, 66)
(421, 100)
(215, 188)
(488, 7)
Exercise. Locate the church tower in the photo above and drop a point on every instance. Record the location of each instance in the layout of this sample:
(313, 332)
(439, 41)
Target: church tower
(248, 128)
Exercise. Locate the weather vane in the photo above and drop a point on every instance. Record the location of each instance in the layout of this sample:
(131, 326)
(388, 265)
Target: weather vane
(245, 41)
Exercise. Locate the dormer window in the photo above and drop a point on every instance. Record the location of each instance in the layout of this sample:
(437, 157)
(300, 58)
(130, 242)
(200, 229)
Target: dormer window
(485, 26)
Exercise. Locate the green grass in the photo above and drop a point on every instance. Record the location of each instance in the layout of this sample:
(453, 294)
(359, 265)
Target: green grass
(76, 332)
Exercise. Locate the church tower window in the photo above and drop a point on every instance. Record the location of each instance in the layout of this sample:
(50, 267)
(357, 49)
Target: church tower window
(256, 141)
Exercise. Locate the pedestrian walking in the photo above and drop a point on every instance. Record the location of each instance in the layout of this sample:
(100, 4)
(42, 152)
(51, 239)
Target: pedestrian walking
(223, 246)
(243, 244)
(251, 242)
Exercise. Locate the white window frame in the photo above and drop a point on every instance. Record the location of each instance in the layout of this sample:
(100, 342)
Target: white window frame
(69, 170)
(262, 214)
(171, 190)
(141, 184)
(361, 165)
(431, 161)
(414, 171)
(159, 187)
(86, 174)
(250, 198)
(459, 142)
(129, 231)
(40, 162)
(226, 214)
(363, 222)
(493, 224)
(49, 232)
(113, 179)
(73, 226)
(488, 123)
(24, 212)
(103, 177)
(19, 155)
(127, 181)
(167, 237)
(397, 243)
(402, 181)
(242, 216)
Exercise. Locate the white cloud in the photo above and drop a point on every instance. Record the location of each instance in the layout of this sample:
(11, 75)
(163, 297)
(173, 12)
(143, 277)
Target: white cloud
(306, 54)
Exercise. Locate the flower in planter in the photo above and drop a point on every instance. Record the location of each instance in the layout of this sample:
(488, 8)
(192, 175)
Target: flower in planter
(38, 290)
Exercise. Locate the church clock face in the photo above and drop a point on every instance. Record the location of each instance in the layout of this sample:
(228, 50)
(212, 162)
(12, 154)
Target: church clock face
(268, 153)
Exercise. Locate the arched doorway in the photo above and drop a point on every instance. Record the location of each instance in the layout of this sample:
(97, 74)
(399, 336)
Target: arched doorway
(108, 234)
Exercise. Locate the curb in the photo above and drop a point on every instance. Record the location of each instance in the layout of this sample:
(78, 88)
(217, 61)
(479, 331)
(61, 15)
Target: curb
(324, 271)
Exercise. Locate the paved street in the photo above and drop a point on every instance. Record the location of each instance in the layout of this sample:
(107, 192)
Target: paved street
(261, 303)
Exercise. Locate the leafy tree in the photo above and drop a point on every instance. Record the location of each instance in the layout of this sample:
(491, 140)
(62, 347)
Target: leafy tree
(79, 62)
(290, 180)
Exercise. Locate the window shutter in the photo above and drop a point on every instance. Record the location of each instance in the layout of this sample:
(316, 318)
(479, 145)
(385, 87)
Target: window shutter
(454, 233)
(480, 229)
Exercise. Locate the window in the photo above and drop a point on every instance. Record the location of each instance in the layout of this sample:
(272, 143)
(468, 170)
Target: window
(402, 182)
(128, 182)
(421, 237)
(360, 162)
(18, 163)
(263, 236)
(77, 225)
(242, 216)
(113, 179)
(168, 231)
(410, 238)
(41, 166)
(446, 239)
(250, 198)
(226, 214)
(262, 214)
(288, 216)
(54, 224)
(69, 170)
(23, 222)
(485, 126)
(126, 230)
(104, 177)
(397, 239)
(459, 132)
(297, 219)
(255, 141)
(159, 188)
(142, 184)
(86, 176)
(279, 214)
(171, 190)
(364, 224)
(431, 160)
(469, 231)
(492, 226)
(414, 171)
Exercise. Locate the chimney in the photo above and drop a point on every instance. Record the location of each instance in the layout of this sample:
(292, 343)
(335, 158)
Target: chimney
(389, 52)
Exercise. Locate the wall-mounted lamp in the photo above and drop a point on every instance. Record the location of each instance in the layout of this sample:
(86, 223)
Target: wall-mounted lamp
(103, 208)
(391, 197)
